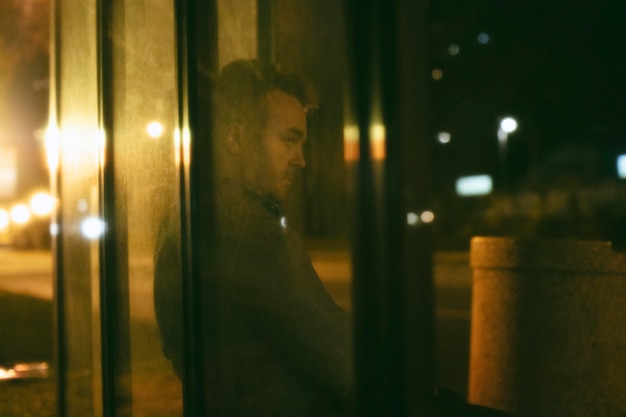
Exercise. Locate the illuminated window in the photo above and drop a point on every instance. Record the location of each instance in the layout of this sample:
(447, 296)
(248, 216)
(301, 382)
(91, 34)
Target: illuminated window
(621, 166)
(474, 185)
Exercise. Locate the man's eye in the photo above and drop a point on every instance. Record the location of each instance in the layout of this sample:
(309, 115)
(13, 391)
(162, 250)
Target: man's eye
(290, 140)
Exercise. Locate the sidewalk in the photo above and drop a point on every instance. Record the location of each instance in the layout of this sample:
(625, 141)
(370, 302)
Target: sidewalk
(26, 336)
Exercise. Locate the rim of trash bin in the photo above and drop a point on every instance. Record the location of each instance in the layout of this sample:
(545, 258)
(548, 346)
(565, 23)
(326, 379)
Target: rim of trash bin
(558, 255)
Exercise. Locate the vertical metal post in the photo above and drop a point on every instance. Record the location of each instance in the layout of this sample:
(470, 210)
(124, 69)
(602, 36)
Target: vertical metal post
(368, 298)
(114, 297)
(412, 80)
(393, 287)
(55, 189)
(196, 22)
(193, 381)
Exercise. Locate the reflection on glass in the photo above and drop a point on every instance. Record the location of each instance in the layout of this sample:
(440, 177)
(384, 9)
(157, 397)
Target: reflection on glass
(143, 135)
(154, 129)
(351, 143)
(277, 343)
(377, 141)
(92, 228)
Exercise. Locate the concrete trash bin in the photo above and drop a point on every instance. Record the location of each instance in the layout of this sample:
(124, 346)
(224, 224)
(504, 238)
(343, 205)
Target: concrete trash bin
(548, 327)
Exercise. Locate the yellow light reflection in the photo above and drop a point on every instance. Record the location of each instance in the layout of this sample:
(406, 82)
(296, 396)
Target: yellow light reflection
(350, 143)
(101, 143)
(177, 147)
(7, 373)
(53, 147)
(377, 141)
(427, 216)
(437, 74)
(4, 219)
(351, 139)
(186, 146)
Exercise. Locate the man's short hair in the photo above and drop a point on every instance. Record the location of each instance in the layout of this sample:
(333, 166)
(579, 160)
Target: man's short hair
(243, 84)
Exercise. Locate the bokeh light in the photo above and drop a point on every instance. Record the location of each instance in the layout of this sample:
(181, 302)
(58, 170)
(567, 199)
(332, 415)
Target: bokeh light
(42, 204)
(20, 214)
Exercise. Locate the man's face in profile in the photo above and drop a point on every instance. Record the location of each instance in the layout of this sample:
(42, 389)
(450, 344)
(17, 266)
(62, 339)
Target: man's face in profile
(276, 154)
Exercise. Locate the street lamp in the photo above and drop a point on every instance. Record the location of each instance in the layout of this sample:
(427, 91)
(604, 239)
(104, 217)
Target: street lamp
(507, 126)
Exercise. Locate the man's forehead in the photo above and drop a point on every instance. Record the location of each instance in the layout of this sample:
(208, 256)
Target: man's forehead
(284, 98)
(287, 110)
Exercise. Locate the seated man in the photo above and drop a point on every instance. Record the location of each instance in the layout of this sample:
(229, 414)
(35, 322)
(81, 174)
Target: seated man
(277, 343)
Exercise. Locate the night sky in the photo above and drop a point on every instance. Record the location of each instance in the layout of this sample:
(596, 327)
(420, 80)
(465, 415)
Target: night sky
(557, 66)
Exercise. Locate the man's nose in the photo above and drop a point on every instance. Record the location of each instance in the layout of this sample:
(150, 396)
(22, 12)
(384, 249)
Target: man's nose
(297, 157)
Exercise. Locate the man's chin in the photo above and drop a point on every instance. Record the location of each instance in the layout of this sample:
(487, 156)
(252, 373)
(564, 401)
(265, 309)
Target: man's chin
(280, 194)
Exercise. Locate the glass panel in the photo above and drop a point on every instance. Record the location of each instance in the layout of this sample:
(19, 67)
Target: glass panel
(80, 225)
(146, 163)
(275, 342)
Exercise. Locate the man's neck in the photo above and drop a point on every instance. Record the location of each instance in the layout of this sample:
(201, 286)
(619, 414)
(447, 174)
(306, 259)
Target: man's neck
(266, 201)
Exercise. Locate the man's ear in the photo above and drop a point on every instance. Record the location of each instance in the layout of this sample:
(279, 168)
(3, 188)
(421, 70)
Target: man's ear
(234, 138)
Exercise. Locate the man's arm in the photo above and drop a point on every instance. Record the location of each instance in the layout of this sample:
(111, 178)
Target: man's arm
(272, 281)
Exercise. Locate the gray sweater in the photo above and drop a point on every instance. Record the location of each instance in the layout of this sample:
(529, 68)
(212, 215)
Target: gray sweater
(276, 343)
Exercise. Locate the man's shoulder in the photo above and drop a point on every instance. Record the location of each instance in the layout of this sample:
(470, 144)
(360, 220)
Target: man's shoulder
(242, 210)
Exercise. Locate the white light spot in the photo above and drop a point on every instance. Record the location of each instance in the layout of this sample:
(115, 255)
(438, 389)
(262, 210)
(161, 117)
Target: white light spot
(154, 129)
(483, 38)
(474, 185)
(502, 135)
(412, 219)
(283, 222)
(82, 205)
(454, 49)
(54, 229)
(508, 125)
(92, 227)
(42, 204)
(621, 166)
(20, 214)
(444, 137)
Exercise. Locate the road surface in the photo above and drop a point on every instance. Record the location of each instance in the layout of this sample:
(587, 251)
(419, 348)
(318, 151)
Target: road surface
(29, 272)
(26, 272)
